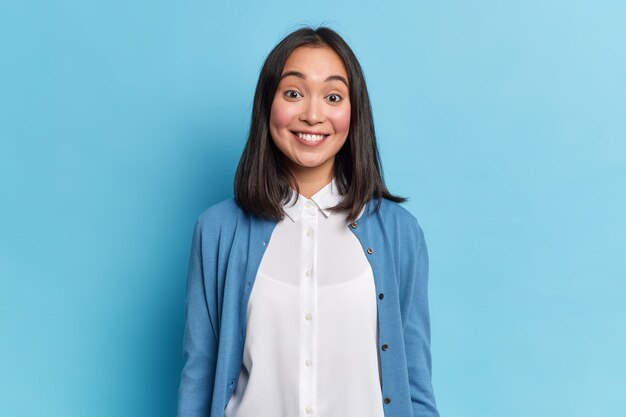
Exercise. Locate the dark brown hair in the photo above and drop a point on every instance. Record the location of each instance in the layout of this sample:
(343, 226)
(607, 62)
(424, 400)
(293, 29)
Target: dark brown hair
(262, 179)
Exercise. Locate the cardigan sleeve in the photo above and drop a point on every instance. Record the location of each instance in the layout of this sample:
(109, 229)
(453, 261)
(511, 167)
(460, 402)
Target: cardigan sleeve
(417, 330)
(199, 340)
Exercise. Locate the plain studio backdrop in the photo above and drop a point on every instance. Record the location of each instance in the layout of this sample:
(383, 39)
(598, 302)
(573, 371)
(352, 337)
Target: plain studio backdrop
(504, 122)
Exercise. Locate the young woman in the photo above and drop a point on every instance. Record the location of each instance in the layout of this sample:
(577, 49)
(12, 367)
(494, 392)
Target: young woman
(307, 291)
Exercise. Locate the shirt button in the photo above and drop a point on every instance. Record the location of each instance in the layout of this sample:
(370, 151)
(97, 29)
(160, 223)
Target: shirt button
(381, 295)
(353, 225)
(387, 400)
(309, 233)
(308, 316)
(308, 204)
(308, 273)
(385, 347)
(370, 250)
(307, 363)
(308, 410)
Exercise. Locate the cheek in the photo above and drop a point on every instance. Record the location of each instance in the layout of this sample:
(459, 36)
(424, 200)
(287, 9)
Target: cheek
(280, 115)
(341, 119)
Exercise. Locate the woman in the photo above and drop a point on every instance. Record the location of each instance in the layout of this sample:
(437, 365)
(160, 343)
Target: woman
(307, 291)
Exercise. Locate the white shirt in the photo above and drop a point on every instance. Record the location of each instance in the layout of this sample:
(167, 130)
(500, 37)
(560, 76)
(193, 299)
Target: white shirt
(311, 335)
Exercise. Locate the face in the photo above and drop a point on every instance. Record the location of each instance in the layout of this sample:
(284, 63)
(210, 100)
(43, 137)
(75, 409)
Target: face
(310, 115)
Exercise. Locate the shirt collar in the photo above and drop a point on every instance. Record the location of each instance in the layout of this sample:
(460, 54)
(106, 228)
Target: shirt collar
(325, 198)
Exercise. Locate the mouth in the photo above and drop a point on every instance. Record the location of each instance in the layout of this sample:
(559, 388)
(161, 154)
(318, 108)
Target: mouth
(310, 139)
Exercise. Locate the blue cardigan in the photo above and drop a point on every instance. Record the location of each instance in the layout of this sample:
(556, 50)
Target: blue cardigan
(226, 252)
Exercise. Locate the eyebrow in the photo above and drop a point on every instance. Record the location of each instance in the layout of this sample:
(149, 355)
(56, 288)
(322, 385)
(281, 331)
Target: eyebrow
(301, 75)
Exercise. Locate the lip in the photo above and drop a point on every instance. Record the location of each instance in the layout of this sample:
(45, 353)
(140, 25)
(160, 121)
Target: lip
(306, 143)
(309, 132)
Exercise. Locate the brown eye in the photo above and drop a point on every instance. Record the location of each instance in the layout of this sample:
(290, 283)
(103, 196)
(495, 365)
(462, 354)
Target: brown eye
(292, 94)
(335, 98)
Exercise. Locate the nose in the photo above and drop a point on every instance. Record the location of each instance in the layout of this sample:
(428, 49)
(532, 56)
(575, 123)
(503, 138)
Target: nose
(312, 113)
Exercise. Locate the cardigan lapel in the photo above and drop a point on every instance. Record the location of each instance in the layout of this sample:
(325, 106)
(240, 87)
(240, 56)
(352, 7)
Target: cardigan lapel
(259, 232)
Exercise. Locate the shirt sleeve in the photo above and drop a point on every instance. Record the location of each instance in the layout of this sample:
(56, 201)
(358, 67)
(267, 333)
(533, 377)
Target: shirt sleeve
(199, 340)
(417, 330)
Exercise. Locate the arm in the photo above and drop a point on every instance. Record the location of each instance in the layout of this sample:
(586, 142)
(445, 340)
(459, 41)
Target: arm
(199, 341)
(417, 330)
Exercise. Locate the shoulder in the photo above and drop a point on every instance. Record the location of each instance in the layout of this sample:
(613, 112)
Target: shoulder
(225, 209)
(396, 210)
(397, 221)
(222, 215)
(395, 214)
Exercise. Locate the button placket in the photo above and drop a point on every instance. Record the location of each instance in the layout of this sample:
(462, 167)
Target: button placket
(308, 302)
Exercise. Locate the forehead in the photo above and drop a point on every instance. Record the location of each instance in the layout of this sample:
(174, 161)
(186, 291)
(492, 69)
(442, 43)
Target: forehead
(315, 62)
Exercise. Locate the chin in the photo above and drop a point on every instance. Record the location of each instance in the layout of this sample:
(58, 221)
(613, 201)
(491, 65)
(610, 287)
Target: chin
(309, 165)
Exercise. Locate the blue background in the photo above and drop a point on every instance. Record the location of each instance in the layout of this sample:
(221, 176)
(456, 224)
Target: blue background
(504, 122)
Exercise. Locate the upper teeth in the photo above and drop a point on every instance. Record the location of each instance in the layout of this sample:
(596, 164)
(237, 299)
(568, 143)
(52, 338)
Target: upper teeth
(307, 136)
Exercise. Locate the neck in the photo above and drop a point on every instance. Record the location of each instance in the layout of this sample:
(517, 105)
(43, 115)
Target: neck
(310, 181)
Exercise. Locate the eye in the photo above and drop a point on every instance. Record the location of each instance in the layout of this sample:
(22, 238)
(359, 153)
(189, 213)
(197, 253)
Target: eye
(335, 98)
(292, 94)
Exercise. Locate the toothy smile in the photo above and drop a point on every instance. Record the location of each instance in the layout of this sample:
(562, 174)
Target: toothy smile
(310, 137)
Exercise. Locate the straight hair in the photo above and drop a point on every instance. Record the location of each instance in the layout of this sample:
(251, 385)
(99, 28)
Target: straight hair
(262, 180)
